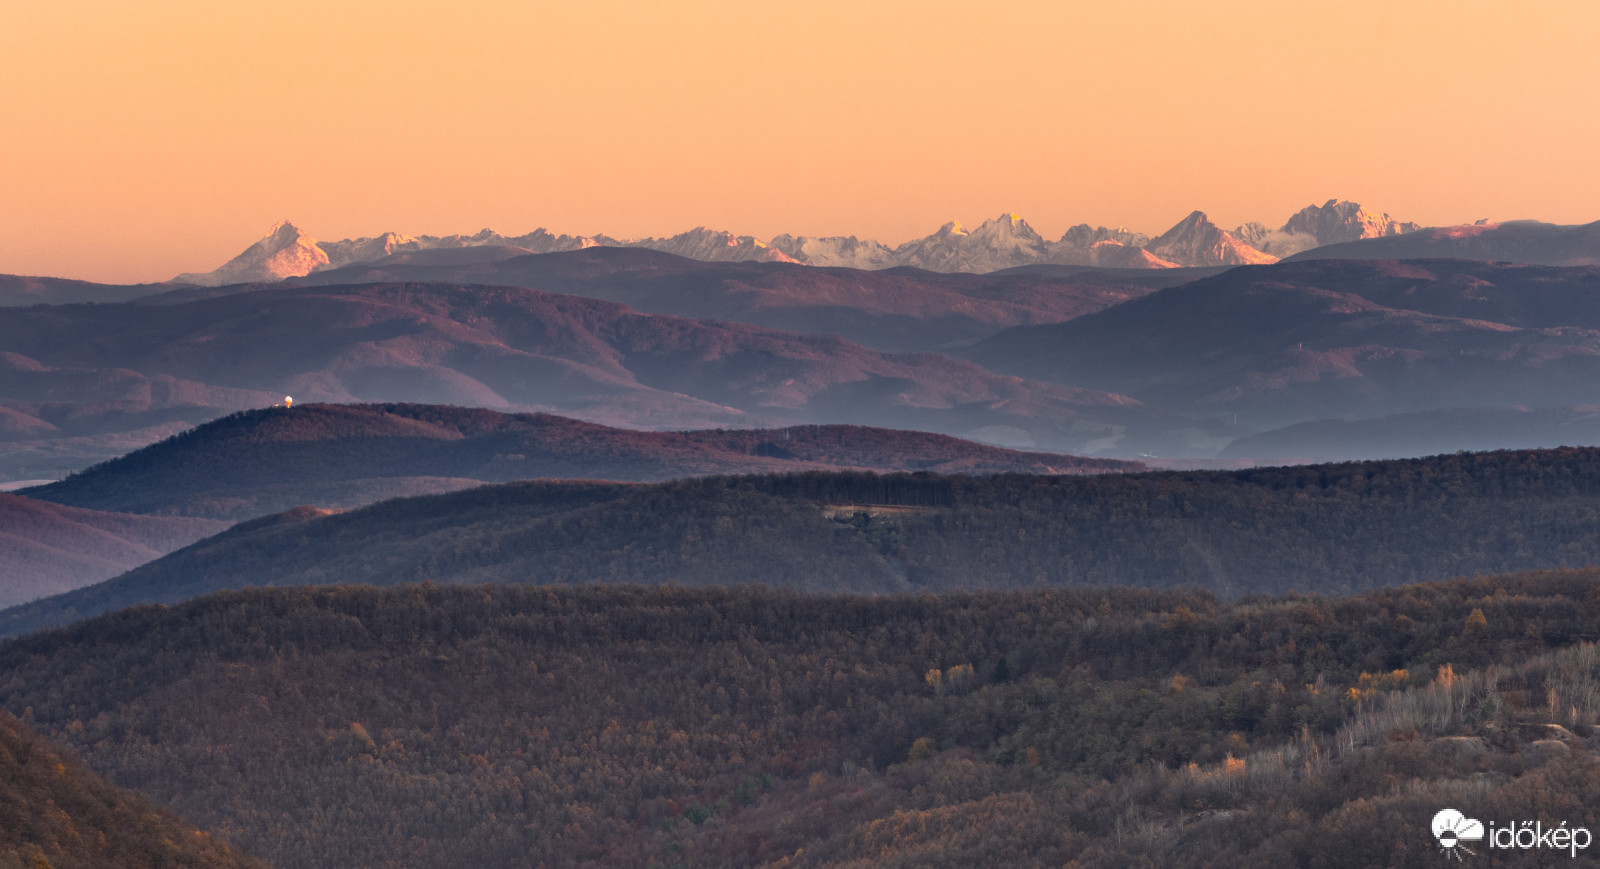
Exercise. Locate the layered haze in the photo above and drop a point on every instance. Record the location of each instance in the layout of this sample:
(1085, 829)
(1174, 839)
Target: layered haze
(534, 434)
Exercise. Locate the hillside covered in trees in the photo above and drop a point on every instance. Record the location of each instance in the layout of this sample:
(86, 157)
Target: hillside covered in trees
(1325, 529)
(670, 727)
(56, 813)
(264, 461)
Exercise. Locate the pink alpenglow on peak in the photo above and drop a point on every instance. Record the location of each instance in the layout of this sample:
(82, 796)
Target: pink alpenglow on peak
(1006, 241)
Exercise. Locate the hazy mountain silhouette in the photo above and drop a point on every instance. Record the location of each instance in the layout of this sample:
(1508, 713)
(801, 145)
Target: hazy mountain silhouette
(521, 349)
(49, 548)
(1424, 433)
(1518, 241)
(896, 310)
(340, 456)
(1148, 279)
(19, 290)
(1294, 342)
(54, 420)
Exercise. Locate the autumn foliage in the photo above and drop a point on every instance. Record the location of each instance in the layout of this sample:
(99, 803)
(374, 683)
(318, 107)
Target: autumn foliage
(605, 726)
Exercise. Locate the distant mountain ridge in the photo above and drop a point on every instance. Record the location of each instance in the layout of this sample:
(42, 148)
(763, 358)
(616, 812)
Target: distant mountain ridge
(1334, 222)
(526, 350)
(1319, 339)
(20, 290)
(898, 310)
(1004, 242)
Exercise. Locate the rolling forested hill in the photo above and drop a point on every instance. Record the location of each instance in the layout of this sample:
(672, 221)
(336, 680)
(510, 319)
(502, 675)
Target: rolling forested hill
(56, 813)
(340, 456)
(603, 726)
(1325, 529)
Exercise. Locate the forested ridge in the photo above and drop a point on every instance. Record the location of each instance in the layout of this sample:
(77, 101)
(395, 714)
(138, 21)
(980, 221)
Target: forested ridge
(266, 460)
(1323, 528)
(605, 726)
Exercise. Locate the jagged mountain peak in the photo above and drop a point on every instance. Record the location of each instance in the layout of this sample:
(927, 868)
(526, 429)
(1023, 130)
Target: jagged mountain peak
(284, 252)
(1197, 241)
(714, 245)
(1340, 220)
(1333, 222)
(1004, 241)
(1006, 225)
(1085, 236)
(838, 250)
(721, 236)
(1196, 225)
(1197, 220)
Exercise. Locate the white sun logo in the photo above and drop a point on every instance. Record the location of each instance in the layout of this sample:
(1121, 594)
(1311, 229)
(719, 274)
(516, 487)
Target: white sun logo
(1454, 830)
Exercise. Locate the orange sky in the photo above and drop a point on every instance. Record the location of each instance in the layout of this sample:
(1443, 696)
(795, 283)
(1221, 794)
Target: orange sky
(144, 139)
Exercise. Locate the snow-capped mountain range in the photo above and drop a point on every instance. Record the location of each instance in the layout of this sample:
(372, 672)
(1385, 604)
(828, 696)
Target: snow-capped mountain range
(1006, 241)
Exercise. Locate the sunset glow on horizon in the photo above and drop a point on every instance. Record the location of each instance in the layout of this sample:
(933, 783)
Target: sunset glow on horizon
(155, 138)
